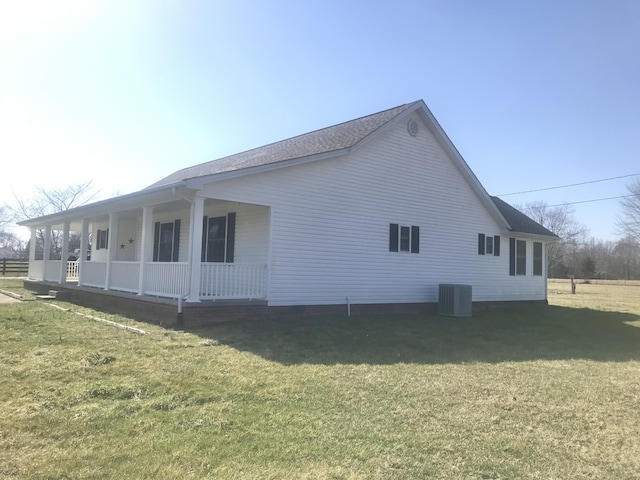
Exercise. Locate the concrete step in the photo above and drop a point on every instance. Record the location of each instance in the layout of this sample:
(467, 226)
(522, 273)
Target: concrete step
(52, 295)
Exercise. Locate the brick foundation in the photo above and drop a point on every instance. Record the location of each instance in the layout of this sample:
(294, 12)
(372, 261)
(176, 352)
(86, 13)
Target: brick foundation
(165, 311)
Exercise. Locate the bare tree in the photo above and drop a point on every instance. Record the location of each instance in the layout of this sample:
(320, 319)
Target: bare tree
(627, 256)
(5, 216)
(47, 201)
(629, 223)
(9, 241)
(13, 243)
(560, 221)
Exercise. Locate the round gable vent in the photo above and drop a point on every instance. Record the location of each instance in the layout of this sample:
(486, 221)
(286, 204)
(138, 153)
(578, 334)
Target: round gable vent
(412, 127)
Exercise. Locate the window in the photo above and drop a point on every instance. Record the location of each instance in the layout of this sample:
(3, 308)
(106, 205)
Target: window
(517, 257)
(403, 238)
(488, 244)
(102, 239)
(166, 241)
(537, 258)
(218, 238)
(489, 249)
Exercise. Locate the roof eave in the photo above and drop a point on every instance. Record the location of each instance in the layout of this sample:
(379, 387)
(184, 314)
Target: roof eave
(540, 236)
(198, 182)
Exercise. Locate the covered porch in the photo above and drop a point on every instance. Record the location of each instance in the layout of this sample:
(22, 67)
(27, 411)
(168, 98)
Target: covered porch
(182, 247)
(218, 281)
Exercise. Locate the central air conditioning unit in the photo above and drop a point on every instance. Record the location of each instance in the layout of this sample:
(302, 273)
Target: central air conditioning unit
(454, 300)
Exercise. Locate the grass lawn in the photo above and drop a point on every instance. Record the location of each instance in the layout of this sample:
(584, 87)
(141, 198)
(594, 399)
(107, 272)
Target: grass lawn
(512, 393)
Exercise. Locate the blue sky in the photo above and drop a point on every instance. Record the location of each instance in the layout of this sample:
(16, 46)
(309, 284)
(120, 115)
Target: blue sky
(533, 94)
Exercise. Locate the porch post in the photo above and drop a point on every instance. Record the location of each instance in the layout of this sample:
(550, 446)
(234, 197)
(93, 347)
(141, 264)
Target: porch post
(195, 264)
(46, 253)
(84, 247)
(32, 251)
(64, 253)
(32, 244)
(112, 242)
(146, 245)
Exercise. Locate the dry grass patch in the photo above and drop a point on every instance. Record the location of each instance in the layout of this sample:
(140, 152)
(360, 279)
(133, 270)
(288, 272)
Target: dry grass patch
(609, 296)
(537, 393)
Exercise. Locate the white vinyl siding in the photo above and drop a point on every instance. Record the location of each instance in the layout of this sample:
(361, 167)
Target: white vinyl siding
(330, 226)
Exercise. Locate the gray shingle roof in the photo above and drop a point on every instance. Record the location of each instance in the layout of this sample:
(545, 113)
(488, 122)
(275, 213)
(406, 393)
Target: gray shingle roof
(327, 140)
(519, 221)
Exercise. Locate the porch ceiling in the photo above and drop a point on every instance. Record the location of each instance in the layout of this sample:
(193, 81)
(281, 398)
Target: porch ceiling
(75, 222)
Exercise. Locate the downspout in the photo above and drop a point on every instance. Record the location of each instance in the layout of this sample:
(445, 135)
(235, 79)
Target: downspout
(348, 307)
(180, 316)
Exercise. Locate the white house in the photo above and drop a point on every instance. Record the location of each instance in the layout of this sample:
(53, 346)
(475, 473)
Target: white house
(375, 211)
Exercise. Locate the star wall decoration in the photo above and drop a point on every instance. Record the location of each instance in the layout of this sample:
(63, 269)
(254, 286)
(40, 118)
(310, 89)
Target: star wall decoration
(130, 241)
(122, 246)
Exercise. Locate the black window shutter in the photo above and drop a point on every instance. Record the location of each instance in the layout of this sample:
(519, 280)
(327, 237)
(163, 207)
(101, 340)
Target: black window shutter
(512, 256)
(205, 225)
(176, 240)
(106, 239)
(415, 239)
(156, 241)
(97, 242)
(481, 244)
(231, 236)
(496, 245)
(393, 237)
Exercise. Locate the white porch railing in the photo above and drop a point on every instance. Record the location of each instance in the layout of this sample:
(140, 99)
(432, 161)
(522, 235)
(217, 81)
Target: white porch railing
(36, 269)
(125, 276)
(166, 279)
(72, 271)
(232, 280)
(94, 274)
(52, 270)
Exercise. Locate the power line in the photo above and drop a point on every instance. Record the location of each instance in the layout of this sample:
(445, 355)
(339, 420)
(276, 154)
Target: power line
(582, 201)
(570, 185)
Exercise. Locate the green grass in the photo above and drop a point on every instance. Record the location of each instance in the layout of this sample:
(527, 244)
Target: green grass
(544, 393)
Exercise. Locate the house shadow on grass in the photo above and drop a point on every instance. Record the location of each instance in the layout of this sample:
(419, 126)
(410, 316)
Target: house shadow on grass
(492, 335)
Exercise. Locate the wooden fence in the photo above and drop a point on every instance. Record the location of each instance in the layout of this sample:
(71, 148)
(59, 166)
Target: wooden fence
(14, 268)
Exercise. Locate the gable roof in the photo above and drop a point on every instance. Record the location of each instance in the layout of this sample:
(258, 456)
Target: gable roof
(335, 139)
(327, 142)
(519, 222)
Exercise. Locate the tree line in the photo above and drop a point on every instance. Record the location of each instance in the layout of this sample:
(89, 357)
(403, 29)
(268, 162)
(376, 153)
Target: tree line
(576, 254)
